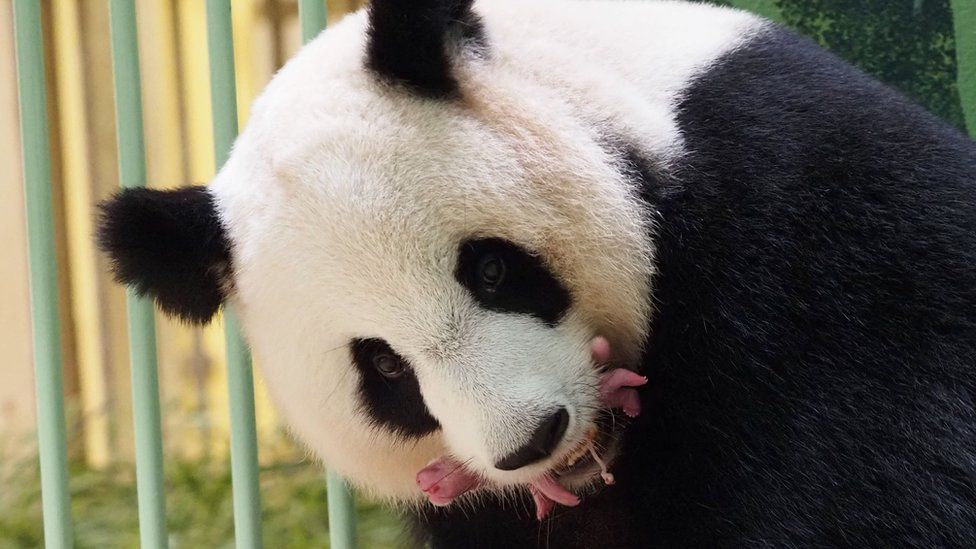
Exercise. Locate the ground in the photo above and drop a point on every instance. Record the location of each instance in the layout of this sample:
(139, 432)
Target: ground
(198, 504)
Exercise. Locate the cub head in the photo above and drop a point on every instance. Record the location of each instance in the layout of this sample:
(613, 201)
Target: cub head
(421, 239)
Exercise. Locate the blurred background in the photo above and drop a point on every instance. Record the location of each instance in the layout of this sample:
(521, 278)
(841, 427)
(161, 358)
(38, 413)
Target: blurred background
(926, 48)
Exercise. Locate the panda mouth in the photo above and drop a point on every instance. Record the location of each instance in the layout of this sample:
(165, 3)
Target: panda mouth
(595, 451)
(574, 459)
(617, 391)
(445, 479)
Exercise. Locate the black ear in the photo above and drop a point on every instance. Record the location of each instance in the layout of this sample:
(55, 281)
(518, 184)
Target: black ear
(169, 245)
(411, 42)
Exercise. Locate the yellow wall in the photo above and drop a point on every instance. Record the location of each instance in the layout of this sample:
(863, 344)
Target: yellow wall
(175, 88)
(16, 379)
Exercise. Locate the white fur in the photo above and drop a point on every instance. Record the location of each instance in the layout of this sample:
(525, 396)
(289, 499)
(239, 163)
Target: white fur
(346, 199)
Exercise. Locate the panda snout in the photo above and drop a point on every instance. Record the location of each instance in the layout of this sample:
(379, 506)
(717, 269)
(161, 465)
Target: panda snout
(540, 445)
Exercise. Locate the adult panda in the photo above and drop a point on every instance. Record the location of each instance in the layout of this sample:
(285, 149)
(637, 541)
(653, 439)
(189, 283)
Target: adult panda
(453, 232)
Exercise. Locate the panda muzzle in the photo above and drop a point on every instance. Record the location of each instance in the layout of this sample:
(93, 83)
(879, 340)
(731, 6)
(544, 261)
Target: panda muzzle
(445, 479)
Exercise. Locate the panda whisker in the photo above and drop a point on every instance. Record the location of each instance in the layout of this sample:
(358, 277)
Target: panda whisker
(336, 348)
(454, 470)
(336, 387)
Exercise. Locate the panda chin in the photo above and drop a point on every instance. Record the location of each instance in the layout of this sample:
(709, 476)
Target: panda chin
(580, 471)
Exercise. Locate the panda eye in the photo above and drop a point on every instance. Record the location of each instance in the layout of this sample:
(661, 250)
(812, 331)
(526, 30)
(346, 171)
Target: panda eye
(389, 391)
(388, 365)
(491, 272)
(502, 276)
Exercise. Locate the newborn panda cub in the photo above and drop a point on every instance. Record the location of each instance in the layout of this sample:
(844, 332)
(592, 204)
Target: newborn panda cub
(596, 274)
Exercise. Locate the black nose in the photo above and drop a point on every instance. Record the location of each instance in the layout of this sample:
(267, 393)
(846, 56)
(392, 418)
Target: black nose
(543, 441)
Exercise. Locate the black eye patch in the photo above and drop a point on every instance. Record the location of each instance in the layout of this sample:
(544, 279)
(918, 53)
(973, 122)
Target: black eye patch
(389, 391)
(504, 277)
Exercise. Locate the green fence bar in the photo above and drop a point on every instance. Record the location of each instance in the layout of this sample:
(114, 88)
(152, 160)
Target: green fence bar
(964, 20)
(342, 510)
(342, 514)
(244, 446)
(240, 380)
(142, 324)
(311, 13)
(51, 441)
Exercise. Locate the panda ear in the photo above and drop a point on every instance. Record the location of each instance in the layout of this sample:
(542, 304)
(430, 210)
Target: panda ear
(169, 245)
(412, 42)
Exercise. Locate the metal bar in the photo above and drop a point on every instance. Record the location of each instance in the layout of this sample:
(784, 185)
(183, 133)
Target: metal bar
(244, 446)
(51, 440)
(342, 514)
(311, 13)
(142, 324)
(342, 509)
(964, 20)
(240, 380)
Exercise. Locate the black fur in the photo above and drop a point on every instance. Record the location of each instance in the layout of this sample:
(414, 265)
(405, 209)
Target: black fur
(528, 286)
(395, 404)
(410, 42)
(812, 361)
(169, 245)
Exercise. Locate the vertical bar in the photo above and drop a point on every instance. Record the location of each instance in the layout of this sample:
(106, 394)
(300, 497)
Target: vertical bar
(52, 443)
(244, 446)
(311, 13)
(342, 514)
(964, 21)
(342, 510)
(240, 380)
(142, 324)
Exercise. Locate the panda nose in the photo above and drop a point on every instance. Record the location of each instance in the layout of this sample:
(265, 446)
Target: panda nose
(540, 445)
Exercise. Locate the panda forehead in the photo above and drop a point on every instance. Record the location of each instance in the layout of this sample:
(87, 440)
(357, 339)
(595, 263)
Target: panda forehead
(430, 192)
(415, 172)
(404, 240)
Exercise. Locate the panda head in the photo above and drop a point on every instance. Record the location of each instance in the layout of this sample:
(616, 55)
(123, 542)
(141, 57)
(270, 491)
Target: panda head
(420, 240)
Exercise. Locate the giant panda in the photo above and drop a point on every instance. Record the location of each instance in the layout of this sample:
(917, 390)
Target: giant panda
(596, 274)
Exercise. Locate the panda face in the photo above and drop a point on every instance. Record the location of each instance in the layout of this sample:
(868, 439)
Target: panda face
(422, 230)
(434, 299)
(500, 277)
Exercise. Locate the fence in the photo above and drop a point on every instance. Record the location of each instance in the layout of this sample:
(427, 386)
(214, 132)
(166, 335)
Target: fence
(132, 168)
(52, 443)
